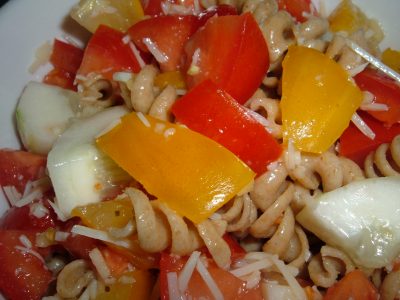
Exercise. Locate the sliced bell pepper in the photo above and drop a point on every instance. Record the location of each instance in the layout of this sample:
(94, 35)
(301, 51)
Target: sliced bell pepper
(117, 14)
(214, 113)
(318, 99)
(168, 34)
(356, 146)
(231, 51)
(391, 58)
(106, 54)
(60, 78)
(347, 17)
(385, 90)
(66, 56)
(189, 172)
(106, 214)
(173, 78)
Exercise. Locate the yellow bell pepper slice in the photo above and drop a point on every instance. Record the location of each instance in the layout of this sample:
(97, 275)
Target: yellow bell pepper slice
(318, 99)
(189, 172)
(106, 214)
(173, 78)
(139, 287)
(392, 59)
(116, 14)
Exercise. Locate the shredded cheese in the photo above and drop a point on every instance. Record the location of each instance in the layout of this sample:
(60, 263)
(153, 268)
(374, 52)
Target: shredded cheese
(25, 241)
(173, 290)
(143, 119)
(101, 266)
(61, 236)
(58, 211)
(99, 235)
(212, 285)
(12, 194)
(35, 194)
(155, 51)
(136, 53)
(25, 250)
(187, 271)
(362, 126)
(38, 210)
(255, 266)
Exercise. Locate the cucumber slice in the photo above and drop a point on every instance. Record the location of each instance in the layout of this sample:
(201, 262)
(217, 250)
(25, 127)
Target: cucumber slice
(79, 171)
(42, 114)
(361, 218)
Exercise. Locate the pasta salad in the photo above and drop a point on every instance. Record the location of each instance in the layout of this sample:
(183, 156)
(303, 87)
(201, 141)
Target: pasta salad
(207, 150)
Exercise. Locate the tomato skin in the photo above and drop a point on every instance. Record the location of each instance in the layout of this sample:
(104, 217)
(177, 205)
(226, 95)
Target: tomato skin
(20, 218)
(66, 56)
(60, 78)
(19, 167)
(355, 285)
(215, 114)
(297, 7)
(22, 276)
(356, 146)
(231, 52)
(385, 90)
(219, 10)
(160, 30)
(106, 54)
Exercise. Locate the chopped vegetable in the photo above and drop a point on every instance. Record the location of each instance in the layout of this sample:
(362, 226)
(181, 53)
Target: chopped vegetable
(361, 218)
(116, 14)
(80, 173)
(356, 146)
(106, 214)
(355, 285)
(155, 151)
(214, 113)
(391, 58)
(66, 56)
(154, 35)
(43, 112)
(23, 272)
(318, 99)
(298, 9)
(106, 53)
(385, 90)
(231, 51)
(173, 78)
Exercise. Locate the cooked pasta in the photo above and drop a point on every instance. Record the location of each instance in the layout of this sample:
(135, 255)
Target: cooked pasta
(384, 161)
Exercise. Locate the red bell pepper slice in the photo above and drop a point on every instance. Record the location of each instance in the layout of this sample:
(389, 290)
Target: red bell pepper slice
(154, 7)
(356, 146)
(298, 8)
(106, 54)
(385, 90)
(60, 78)
(168, 34)
(23, 275)
(219, 10)
(231, 51)
(212, 112)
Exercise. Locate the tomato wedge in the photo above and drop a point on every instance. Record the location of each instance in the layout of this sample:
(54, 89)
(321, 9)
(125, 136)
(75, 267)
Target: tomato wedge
(106, 54)
(159, 32)
(66, 56)
(23, 275)
(19, 167)
(356, 146)
(355, 285)
(231, 51)
(212, 112)
(385, 90)
(297, 8)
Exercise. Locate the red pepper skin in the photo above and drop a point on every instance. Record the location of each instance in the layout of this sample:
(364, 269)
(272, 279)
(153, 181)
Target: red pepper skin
(212, 112)
(356, 146)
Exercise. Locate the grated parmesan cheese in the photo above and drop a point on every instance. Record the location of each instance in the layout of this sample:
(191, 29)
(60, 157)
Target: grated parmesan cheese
(13, 196)
(194, 68)
(252, 267)
(123, 232)
(25, 241)
(136, 53)
(169, 132)
(187, 271)
(61, 236)
(25, 250)
(101, 266)
(173, 290)
(58, 212)
(99, 235)
(33, 195)
(155, 51)
(210, 282)
(143, 119)
(362, 126)
(126, 39)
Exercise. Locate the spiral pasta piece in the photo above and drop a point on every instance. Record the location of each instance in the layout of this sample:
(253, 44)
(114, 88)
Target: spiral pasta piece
(379, 164)
(309, 33)
(260, 9)
(268, 108)
(159, 227)
(325, 267)
(140, 94)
